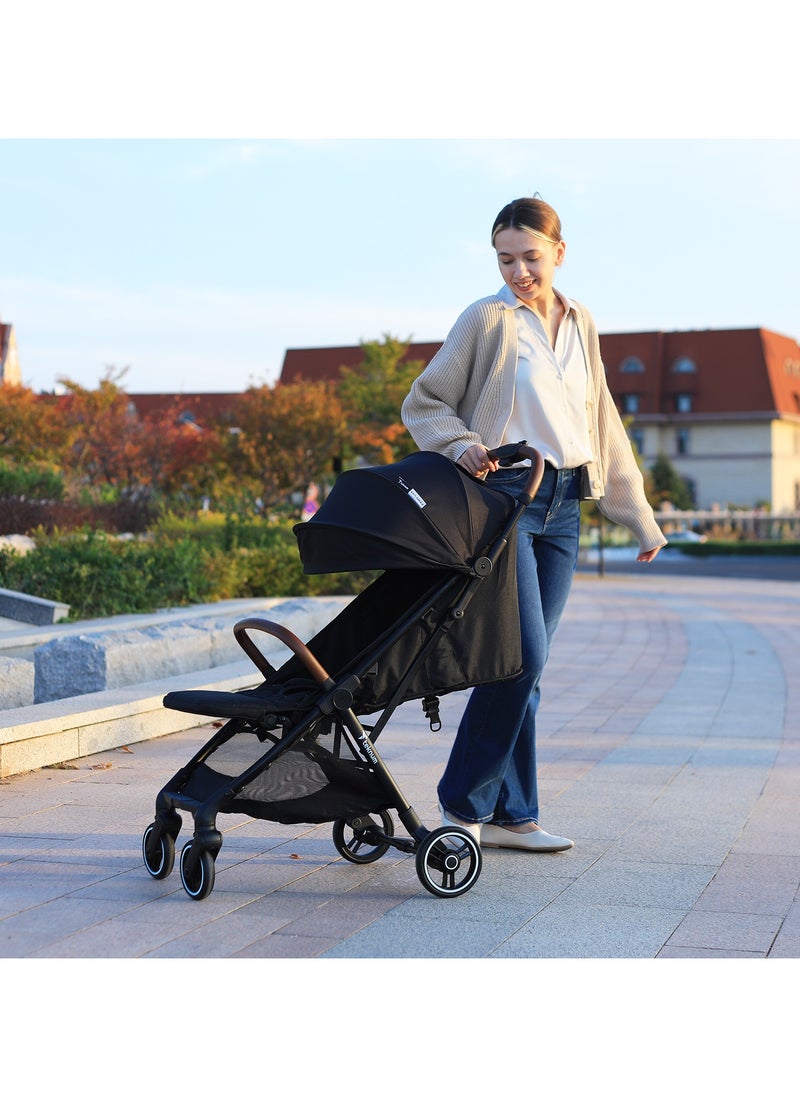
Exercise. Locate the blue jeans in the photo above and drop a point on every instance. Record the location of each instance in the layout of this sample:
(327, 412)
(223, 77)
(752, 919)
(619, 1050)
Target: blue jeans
(490, 775)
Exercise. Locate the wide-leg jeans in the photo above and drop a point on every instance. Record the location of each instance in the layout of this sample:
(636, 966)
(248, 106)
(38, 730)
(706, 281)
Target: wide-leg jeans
(490, 775)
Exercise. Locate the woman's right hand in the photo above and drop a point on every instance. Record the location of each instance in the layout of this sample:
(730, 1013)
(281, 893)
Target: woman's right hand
(477, 462)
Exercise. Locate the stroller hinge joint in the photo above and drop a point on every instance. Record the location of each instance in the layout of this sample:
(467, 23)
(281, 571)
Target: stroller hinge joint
(340, 698)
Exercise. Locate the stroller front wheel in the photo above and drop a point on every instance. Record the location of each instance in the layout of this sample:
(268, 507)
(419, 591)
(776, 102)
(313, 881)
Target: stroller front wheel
(448, 862)
(353, 843)
(158, 856)
(198, 882)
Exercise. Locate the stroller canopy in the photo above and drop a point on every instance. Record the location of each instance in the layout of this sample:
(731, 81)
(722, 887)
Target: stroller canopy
(423, 512)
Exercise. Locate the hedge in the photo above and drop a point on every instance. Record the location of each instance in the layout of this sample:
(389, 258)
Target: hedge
(99, 575)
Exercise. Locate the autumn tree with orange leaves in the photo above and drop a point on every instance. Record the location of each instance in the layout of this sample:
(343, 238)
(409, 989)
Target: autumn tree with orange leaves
(288, 436)
(107, 446)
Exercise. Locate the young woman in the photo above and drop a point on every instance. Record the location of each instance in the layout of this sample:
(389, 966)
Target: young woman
(525, 364)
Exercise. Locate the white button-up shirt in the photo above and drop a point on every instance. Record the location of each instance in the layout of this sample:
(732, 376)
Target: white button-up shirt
(549, 409)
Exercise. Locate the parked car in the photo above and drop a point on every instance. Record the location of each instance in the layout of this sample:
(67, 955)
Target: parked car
(686, 536)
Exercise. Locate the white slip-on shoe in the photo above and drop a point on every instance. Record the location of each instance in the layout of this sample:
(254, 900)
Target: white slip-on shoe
(472, 828)
(538, 840)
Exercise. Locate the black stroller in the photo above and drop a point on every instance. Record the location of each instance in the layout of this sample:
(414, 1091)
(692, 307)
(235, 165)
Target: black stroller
(442, 616)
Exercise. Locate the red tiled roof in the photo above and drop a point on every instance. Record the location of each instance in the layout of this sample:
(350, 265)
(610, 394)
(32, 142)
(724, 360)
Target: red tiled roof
(204, 407)
(737, 371)
(324, 362)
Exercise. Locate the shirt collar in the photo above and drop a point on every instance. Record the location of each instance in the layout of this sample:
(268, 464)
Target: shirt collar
(506, 294)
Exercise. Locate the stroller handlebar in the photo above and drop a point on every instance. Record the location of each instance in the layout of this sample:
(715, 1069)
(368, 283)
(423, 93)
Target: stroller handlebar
(317, 672)
(513, 454)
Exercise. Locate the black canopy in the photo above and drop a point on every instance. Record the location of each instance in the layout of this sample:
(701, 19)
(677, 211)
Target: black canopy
(423, 512)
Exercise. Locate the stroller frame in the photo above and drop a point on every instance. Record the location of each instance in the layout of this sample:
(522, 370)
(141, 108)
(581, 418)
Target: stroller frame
(448, 858)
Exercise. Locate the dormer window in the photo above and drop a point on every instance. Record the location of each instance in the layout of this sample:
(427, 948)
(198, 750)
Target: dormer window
(632, 365)
(684, 365)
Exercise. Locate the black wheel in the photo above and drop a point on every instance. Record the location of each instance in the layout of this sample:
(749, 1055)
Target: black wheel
(199, 882)
(448, 862)
(159, 858)
(352, 844)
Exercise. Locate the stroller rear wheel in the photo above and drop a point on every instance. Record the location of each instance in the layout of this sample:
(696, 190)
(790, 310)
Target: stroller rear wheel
(198, 882)
(158, 853)
(353, 844)
(448, 862)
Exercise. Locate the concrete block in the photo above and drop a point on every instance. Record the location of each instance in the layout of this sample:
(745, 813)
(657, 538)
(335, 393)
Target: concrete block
(93, 663)
(29, 609)
(16, 683)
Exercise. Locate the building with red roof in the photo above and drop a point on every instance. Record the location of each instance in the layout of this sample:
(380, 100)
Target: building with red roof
(723, 406)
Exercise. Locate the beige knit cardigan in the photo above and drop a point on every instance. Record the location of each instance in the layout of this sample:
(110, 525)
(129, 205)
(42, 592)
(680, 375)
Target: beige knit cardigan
(465, 396)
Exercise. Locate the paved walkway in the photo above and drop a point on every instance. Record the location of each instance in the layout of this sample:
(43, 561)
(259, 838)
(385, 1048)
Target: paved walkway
(669, 750)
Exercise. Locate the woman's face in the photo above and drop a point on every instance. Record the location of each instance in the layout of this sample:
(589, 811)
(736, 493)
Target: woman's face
(528, 263)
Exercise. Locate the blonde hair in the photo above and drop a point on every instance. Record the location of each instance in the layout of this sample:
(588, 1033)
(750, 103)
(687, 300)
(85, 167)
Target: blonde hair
(531, 215)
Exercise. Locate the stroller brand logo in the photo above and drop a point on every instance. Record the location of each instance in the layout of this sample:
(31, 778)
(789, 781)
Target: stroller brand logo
(412, 494)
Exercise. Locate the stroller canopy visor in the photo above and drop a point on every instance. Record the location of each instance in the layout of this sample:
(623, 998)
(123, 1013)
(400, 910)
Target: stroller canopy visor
(423, 512)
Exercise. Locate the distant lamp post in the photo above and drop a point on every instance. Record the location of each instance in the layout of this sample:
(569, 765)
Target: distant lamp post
(601, 559)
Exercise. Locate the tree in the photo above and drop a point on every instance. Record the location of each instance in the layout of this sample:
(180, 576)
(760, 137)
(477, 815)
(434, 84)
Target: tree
(669, 485)
(101, 432)
(371, 395)
(285, 437)
(108, 448)
(29, 428)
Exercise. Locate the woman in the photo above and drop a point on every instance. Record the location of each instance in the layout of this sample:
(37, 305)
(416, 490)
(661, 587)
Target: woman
(525, 364)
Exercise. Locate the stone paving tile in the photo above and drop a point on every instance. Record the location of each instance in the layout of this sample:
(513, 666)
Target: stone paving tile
(747, 896)
(283, 946)
(670, 952)
(732, 930)
(589, 931)
(641, 884)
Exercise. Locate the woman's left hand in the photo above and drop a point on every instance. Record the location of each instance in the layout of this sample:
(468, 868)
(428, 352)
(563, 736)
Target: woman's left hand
(648, 557)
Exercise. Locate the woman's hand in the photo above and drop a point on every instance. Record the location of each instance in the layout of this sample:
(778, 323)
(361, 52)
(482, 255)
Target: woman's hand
(477, 462)
(648, 557)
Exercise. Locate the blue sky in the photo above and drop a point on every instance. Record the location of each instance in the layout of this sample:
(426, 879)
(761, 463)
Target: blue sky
(188, 204)
(197, 263)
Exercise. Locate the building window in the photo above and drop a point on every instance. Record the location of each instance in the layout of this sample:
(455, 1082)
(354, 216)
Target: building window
(630, 404)
(684, 365)
(682, 442)
(683, 403)
(637, 438)
(632, 365)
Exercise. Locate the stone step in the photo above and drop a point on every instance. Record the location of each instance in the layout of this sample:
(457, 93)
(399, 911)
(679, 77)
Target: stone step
(29, 609)
(119, 676)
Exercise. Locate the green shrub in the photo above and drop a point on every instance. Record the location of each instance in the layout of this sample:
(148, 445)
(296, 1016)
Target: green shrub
(31, 481)
(742, 548)
(98, 575)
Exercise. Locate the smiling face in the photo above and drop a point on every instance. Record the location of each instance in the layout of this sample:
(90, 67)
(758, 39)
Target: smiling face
(528, 264)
